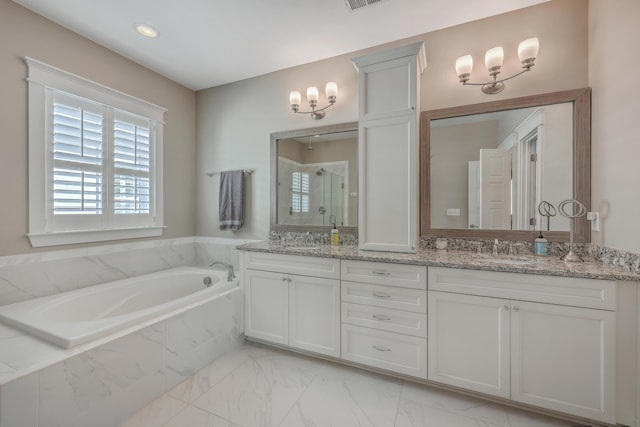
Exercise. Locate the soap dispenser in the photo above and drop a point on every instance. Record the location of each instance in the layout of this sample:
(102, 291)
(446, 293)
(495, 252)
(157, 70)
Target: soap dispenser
(335, 235)
(540, 245)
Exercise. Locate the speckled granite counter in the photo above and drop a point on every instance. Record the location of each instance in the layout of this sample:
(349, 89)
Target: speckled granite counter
(527, 264)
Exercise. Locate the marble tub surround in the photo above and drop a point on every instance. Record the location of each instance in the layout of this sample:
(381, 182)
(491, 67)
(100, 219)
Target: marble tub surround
(109, 378)
(542, 265)
(24, 277)
(28, 276)
(105, 381)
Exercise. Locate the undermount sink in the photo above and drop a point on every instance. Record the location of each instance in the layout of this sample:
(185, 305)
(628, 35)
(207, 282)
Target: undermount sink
(510, 260)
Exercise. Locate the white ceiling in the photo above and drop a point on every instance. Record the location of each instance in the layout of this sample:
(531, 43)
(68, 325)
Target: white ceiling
(206, 43)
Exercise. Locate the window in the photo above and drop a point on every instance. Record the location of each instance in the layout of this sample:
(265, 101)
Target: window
(299, 192)
(95, 161)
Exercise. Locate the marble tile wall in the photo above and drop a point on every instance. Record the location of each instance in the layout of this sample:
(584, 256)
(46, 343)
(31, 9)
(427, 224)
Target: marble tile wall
(23, 277)
(103, 386)
(29, 276)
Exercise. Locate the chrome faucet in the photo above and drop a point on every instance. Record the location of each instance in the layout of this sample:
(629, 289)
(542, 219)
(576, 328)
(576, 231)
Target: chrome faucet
(231, 275)
(495, 247)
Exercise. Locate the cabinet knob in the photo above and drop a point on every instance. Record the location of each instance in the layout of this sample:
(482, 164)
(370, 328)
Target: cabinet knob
(506, 307)
(516, 308)
(381, 317)
(381, 348)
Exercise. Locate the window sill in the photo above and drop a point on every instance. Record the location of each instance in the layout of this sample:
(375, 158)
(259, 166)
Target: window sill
(39, 240)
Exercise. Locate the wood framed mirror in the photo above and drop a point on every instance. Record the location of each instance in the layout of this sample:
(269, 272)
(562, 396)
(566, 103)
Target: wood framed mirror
(485, 168)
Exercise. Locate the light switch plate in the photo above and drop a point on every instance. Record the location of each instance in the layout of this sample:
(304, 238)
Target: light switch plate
(594, 217)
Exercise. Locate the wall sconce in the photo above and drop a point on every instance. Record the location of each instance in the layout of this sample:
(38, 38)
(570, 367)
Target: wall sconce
(331, 89)
(527, 52)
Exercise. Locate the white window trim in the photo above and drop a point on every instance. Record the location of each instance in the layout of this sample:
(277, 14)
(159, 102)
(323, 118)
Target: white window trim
(42, 76)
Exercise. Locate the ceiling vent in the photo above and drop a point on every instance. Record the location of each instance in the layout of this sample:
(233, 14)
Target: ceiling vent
(359, 4)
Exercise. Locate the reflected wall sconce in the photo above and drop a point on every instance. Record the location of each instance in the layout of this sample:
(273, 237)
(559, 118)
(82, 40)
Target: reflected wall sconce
(527, 52)
(331, 90)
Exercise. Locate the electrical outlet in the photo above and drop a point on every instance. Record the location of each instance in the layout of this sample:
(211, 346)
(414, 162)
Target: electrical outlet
(594, 217)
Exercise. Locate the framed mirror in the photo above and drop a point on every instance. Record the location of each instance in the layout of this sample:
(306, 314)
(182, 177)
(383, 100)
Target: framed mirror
(314, 179)
(485, 168)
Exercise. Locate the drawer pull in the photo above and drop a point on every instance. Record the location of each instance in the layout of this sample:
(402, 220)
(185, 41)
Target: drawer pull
(378, 295)
(381, 273)
(381, 348)
(381, 317)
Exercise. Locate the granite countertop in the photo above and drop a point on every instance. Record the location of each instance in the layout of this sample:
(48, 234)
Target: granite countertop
(527, 264)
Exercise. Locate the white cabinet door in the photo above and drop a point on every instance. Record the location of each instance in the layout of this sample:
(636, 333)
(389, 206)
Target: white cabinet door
(314, 314)
(563, 358)
(468, 342)
(388, 184)
(266, 306)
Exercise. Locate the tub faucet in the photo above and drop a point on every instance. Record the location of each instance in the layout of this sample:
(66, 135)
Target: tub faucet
(231, 275)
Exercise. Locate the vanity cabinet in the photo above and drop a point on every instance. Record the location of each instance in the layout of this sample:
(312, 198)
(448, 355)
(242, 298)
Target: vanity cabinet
(389, 94)
(296, 310)
(384, 316)
(540, 340)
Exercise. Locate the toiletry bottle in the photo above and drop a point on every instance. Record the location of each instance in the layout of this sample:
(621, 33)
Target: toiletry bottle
(540, 245)
(335, 235)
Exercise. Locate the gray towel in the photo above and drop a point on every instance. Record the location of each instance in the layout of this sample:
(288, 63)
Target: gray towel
(231, 200)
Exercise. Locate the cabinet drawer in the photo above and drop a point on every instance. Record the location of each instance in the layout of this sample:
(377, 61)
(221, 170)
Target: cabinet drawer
(404, 322)
(587, 293)
(385, 350)
(406, 276)
(293, 264)
(385, 296)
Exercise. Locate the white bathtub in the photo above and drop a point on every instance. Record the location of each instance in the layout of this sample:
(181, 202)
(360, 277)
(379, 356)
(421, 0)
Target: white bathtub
(72, 318)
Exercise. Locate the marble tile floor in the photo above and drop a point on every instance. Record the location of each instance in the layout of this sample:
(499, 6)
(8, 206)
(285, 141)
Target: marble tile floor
(259, 386)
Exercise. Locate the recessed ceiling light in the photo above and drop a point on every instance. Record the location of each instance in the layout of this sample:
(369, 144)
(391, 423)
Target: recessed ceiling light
(147, 31)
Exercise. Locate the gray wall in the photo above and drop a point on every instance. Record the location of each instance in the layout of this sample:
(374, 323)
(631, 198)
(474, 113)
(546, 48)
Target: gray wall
(23, 33)
(234, 121)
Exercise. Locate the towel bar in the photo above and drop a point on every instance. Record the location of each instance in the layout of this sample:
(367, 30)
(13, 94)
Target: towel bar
(248, 171)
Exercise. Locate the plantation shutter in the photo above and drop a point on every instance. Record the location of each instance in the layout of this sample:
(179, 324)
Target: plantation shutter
(77, 156)
(131, 164)
(299, 192)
